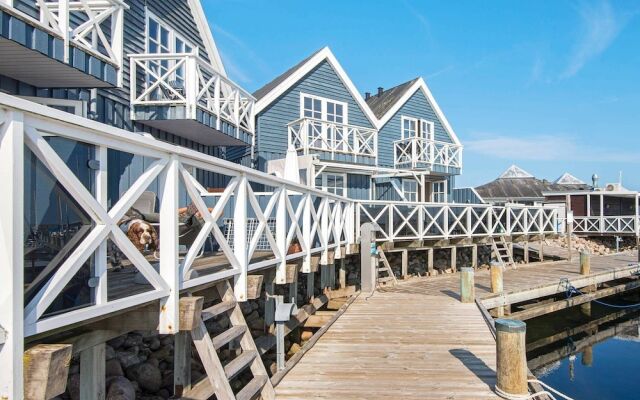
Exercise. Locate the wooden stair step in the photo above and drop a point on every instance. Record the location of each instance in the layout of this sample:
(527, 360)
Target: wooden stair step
(385, 279)
(238, 364)
(227, 336)
(252, 389)
(218, 309)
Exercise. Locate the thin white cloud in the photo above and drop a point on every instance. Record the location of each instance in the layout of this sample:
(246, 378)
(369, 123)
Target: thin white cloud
(600, 27)
(252, 58)
(545, 148)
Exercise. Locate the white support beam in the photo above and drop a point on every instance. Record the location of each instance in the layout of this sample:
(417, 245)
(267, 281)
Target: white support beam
(240, 238)
(12, 254)
(169, 271)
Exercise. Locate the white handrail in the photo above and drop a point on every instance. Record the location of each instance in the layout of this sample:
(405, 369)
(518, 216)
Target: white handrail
(310, 134)
(415, 152)
(185, 79)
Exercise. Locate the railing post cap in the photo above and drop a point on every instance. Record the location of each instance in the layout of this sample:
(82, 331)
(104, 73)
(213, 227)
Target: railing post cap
(510, 325)
(585, 251)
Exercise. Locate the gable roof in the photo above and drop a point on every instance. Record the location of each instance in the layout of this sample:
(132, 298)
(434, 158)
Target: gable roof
(380, 104)
(515, 172)
(568, 179)
(400, 99)
(207, 36)
(274, 89)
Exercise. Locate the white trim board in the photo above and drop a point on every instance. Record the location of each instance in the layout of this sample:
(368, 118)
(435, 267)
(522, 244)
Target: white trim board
(420, 84)
(322, 55)
(207, 36)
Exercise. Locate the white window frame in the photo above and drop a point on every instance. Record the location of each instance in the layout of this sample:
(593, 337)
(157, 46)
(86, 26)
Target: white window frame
(443, 193)
(325, 188)
(323, 115)
(79, 106)
(410, 195)
(173, 35)
(430, 130)
(415, 121)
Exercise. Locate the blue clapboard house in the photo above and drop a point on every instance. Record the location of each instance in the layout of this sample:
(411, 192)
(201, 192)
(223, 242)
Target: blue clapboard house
(395, 145)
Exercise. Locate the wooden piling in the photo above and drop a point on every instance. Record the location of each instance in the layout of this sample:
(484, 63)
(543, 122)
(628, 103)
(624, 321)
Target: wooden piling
(342, 274)
(585, 262)
(454, 259)
(467, 286)
(587, 356)
(46, 369)
(511, 357)
(496, 278)
(430, 270)
(92, 373)
(474, 256)
(405, 264)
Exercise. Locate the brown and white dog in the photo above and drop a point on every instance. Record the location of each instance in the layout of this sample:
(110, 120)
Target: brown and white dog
(143, 235)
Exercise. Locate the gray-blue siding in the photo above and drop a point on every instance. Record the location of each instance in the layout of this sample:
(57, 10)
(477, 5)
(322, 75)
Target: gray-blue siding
(416, 107)
(272, 131)
(465, 196)
(358, 187)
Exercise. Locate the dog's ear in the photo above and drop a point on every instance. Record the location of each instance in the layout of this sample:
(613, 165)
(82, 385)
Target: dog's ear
(134, 235)
(155, 243)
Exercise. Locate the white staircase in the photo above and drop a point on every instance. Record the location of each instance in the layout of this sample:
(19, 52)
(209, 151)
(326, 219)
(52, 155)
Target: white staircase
(502, 251)
(384, 273)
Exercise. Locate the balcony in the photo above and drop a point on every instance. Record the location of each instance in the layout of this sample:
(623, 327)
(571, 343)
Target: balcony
(66, 44)
(419, 153)
(334, 141)
(181, 94)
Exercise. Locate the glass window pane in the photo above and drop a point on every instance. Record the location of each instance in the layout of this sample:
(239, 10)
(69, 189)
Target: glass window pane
(153, 28)
(307, 103)
(164, 37)
(339, 110)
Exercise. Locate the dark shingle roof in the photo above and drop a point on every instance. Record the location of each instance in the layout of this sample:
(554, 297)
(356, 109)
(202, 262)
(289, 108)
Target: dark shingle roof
(383, 103)
(263, 91)
(522, 188)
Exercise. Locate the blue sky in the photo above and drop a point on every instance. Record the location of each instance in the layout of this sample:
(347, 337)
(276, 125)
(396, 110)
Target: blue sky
(552, 86)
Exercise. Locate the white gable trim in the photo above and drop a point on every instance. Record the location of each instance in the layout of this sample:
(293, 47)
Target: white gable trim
(420, 84)
(322, 55)
(207, 36)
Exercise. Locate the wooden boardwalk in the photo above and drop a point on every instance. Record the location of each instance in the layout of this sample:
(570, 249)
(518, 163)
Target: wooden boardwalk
(417, 341)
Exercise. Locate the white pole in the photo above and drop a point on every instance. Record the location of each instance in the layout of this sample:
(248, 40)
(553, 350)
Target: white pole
(12, 256)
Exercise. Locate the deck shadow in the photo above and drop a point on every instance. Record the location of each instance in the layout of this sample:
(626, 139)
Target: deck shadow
(476, 365)
(451, 293)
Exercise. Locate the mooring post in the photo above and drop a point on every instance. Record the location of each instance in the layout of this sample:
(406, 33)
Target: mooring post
(511, 357)
(497, 284)
(467, 286)
(585, 262)
(368, 258)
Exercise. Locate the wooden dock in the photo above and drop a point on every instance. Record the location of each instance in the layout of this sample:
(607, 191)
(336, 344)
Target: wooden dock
(417, 340)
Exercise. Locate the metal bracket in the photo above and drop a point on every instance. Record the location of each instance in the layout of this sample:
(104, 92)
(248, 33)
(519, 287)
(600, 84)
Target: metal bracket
(93, 164)
(284, 311)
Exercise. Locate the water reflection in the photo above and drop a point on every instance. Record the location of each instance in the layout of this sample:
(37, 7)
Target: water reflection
(589, 351)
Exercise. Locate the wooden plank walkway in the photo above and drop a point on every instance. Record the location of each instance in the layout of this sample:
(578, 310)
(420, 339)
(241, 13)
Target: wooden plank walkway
(417, 341)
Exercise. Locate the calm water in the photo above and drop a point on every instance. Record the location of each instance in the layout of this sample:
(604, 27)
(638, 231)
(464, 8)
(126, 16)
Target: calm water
(588, 357)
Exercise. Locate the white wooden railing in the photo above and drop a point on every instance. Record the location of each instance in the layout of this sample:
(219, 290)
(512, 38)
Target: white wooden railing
(414, 152)
(99, 32)
(183, 79)
(629, 224)
(309, 134)
(420, 221)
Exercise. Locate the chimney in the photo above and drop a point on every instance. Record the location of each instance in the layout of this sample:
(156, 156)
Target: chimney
(594, 180)
(367, 95)
(380, 90)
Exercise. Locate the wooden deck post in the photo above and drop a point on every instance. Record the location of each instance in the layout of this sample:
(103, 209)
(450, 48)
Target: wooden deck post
(46, 369)
(454, 259)
(92, 373)
(405, 264)
(368, 259)
(585, 262)
(270, 302)
(541, 251)
(474, 256)
(467, 285)
(182, 363)
(526, 252)
(511, 357)
(430, 270)
(342, 274)
(496, 273)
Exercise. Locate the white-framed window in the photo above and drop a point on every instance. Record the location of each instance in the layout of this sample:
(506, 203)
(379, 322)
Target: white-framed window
(163, 39)
(410, 189)
(77, 107)
(427, 129)
(439, 192)
(409, 127)
(320, 108)
(331, 182)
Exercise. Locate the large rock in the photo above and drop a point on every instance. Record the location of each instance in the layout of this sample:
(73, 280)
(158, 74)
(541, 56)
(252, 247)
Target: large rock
(120, 388)
(147, 375)
(128, 358)
(113, 368)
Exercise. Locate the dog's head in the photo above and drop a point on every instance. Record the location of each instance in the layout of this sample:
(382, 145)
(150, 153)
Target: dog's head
(143, 235)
